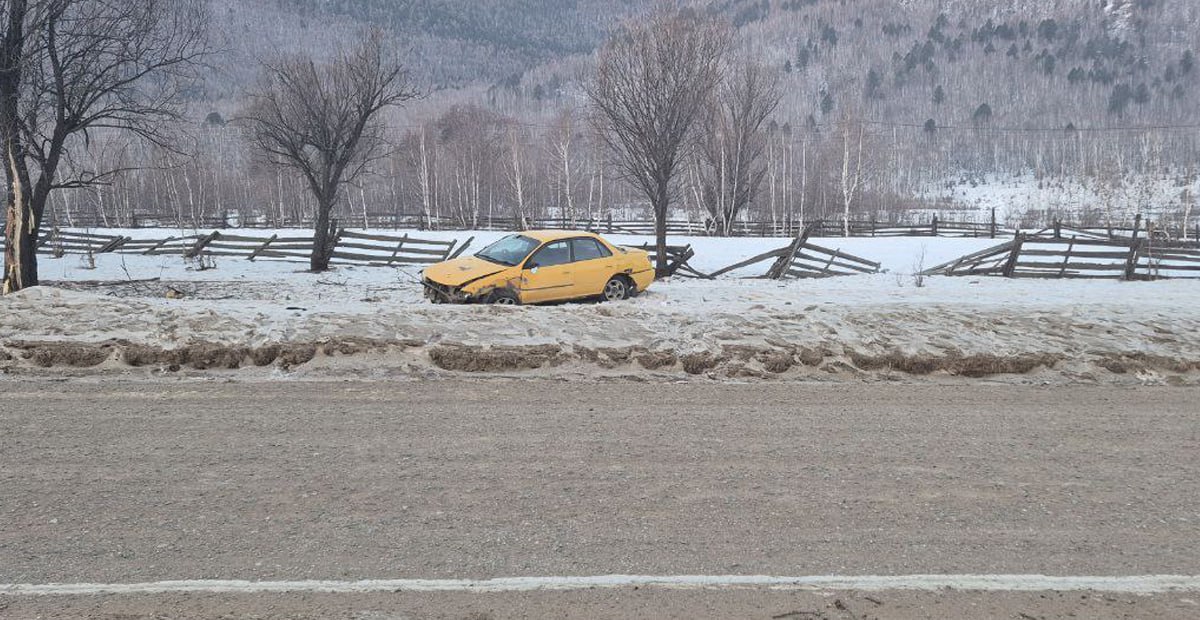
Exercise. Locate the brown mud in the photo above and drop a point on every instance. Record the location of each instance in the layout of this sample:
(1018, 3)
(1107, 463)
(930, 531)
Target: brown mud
(770, 361)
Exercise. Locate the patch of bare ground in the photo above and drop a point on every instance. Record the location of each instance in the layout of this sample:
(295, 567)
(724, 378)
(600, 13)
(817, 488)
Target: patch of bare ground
(495, 359)
(67, 354)
(197, 356)
(777, 362)
(206, 356)
(700, 363)
(1132, 363)
(655, 360)
(953, 363)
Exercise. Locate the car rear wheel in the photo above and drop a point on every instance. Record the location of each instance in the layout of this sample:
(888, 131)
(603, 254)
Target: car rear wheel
(504, 297)
(617, 289)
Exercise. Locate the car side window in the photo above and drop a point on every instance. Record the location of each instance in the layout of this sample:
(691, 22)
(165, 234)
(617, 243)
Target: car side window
(557, 253)
(588, 249)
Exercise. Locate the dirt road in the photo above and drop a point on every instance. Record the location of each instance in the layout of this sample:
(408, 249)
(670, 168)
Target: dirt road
(140, 482)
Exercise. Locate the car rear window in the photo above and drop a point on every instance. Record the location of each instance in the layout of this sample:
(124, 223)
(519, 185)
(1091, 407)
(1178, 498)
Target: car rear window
(588, 249)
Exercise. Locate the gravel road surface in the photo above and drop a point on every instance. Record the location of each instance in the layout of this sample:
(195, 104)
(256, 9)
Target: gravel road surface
(127, 482)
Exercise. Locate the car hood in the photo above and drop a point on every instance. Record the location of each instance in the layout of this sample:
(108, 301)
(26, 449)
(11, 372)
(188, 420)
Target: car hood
(460, 271)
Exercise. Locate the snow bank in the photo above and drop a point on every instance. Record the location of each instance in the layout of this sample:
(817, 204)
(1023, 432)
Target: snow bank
(857, 327)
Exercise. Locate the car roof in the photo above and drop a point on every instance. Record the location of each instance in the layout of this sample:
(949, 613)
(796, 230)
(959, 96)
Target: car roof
(546, 236)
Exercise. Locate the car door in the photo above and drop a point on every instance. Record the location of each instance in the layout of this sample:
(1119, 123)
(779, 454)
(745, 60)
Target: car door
(548, 274)
(594, 265)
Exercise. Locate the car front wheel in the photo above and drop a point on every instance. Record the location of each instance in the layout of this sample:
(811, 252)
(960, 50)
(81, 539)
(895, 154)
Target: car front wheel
(504, 297)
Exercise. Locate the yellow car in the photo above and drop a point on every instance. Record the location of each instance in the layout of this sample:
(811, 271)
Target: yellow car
(539, 267)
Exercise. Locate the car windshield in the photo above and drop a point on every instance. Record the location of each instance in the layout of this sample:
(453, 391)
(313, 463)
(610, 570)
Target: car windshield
(510, 250)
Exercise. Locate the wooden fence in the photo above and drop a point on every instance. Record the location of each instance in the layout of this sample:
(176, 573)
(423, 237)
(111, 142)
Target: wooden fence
(677, 259)
(932, 227)
(1083, 257)
(1058, 253)
(348, 247)
(354, 247)
(803, 260)
(59, 243)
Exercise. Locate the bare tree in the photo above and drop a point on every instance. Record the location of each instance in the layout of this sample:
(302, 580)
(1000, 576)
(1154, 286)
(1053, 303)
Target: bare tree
(70, 69)
(471, 139)
(654, 79)
(323, 120)
(20, 258)
(518, 171)
(561, 148)
(853, 133)
(425, 179)
(735, 142)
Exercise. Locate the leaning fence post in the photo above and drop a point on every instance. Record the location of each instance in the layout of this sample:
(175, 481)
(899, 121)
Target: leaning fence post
(113, 245)
(1137, 224)
(202, 243)
(1010, 267)
(262, 248)
(154, 250)
(399, 246)
(1131, 263)
(934, 227)
(784, 263)
(1062, 272)
(993, 229)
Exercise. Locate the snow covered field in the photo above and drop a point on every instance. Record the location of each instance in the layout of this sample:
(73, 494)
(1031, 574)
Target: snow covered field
(1073, 198)
(896, 255)
(856, 328)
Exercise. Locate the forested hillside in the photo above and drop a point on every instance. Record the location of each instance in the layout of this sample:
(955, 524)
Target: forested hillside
(1052, 63)
(1058, 62)
(1078, 108)
(451, 43)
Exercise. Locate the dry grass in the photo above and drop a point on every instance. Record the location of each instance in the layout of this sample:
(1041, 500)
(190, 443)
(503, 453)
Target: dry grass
(700, 363)
(48, 355)
(971, 366)
(495, 359)
(655, 360)
(1132, 363)
(777, 362)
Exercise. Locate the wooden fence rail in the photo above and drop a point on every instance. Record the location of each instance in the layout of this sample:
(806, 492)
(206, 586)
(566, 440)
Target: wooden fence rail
(59, 243)
(677, 259)
(803, 260)
(355, 247)
(1060, 252)
(349, 247)
(1079, 257)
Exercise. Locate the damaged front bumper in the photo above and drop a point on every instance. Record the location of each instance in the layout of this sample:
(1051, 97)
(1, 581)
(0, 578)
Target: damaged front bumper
(443, 294)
